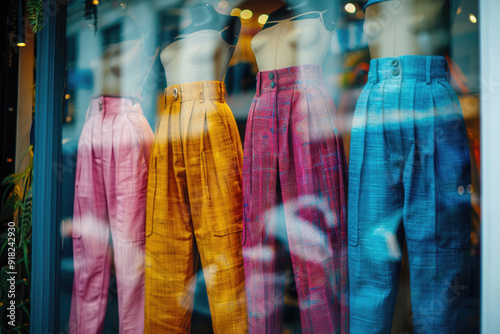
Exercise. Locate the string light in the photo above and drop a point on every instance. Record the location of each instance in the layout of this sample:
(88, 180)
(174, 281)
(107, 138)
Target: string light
(472, 18)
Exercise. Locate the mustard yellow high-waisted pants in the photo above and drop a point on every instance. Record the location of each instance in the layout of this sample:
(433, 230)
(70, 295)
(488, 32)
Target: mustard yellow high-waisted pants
(194, 204)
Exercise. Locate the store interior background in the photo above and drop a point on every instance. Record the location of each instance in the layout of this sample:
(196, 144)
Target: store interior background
(344, 69)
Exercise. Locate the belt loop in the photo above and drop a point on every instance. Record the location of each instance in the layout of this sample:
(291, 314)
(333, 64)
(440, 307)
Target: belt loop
(447, 69)
(428, 67)
(221, 92)
(165, 98)
(376, 70)
(91, 106)
(201, 91)
(101, 104)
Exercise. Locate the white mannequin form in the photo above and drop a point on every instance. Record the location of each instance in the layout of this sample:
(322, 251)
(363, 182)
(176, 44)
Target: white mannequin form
(202, 51)
(199, 56)
(404, 27)
(296, 34)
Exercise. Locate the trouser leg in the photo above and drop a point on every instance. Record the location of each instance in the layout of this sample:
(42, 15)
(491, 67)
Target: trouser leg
(375, 211)
(170, 260)
(91, 247)
(215, 192)
(312, 183)
(437, 214)
(126, 175)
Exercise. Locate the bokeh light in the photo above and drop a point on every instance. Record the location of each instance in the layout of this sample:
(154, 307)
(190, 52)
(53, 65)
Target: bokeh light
(350, 8)
(263, 19)
(236, 12)
(246, 14)
(223, 4)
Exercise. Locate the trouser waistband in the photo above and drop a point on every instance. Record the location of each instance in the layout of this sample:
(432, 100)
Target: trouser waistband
(420, 68)
(113, 105)
(200, 90)
(269, 81)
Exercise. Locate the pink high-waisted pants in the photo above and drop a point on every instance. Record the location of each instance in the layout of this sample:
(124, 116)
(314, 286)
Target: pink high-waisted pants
(110, 195)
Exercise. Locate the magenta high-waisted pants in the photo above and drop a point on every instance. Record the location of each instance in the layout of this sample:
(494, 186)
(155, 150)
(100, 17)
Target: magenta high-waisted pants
(294, 163)
(110, 194)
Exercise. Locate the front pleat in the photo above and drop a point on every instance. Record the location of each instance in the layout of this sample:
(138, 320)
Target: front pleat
(433, 103)
(161, 163)
(186, 116)
(311, 126)
(217, 132)
(93, 146)
(117, 139)
(340, 177)
(415, 115)
(387, 117)
(181, 118)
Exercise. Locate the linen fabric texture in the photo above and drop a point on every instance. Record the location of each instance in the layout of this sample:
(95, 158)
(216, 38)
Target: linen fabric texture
(294, 162)
(195, 205)
(409, 172)
(110, 196)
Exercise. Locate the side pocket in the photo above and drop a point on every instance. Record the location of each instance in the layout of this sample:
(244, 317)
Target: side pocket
(453, 231)
(245, 220)
(452, 184)
(204, 179)
(353, 207)
(151, 196)
(357, 153)
(76, 230)
(352, 232)
(453, 216)
(222, 184)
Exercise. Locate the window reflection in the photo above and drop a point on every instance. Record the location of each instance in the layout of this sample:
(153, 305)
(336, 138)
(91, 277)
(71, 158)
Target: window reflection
(261, 203)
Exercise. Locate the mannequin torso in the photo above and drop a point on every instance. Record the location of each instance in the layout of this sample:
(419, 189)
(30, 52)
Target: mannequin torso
(294, 35)
(405, 27)
(202, 51)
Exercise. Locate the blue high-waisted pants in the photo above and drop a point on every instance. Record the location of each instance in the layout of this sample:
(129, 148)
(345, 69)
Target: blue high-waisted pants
(409, 171)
